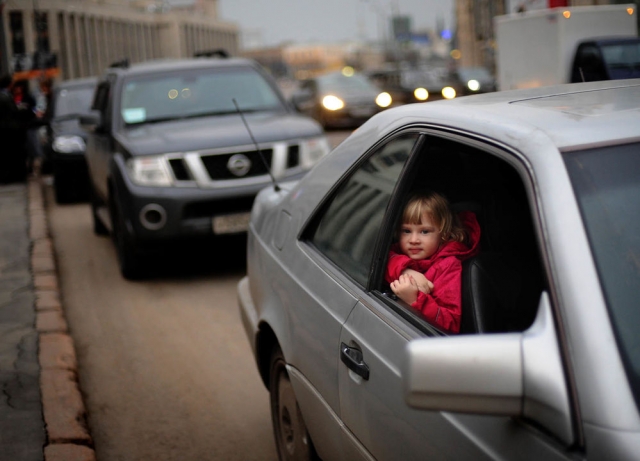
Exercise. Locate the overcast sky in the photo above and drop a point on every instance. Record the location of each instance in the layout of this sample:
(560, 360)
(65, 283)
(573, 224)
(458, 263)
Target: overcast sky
(272, 22)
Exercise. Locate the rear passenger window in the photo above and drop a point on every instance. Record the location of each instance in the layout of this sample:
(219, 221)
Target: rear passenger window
(349, 225)
(502, 284)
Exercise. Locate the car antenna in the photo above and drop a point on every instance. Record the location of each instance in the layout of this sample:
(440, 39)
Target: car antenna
(264, 160)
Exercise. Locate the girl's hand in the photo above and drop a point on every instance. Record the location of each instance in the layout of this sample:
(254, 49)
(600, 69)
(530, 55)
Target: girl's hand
(405, 288)
(423, 283)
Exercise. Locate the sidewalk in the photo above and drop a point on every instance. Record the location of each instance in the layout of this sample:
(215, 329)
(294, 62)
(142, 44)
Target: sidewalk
(42, 415)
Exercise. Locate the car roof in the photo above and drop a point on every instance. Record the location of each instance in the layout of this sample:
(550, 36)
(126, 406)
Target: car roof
(162, 65)
(77, 82)
(574, 116)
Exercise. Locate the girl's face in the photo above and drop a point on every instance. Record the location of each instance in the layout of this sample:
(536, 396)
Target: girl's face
(419, 241)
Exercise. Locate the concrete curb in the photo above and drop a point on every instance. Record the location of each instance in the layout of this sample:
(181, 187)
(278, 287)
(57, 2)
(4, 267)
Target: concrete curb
(68, 437)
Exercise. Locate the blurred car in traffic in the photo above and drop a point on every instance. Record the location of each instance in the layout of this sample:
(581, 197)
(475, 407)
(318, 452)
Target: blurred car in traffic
(178, 149)
(473, 80)
(410, 85)
(340, 99)
(545, 364)
(64, 140)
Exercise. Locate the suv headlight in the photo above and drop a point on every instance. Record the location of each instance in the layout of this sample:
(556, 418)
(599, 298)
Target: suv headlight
(149, 171)
(312, 150)
(68, 144)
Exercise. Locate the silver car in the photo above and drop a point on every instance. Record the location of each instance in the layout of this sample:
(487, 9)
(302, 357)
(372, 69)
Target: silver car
(547, 362)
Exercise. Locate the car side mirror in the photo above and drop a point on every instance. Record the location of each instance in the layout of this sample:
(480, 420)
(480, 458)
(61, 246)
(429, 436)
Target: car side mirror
(91, 121)
(300, 97)
(513, 374)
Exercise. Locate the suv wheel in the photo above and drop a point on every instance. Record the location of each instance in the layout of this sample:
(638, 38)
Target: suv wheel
(128, 257)
(292, 439)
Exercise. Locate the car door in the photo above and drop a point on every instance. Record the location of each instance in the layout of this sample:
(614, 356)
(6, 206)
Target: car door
(376, 334)
(339, 241)
(99, 142)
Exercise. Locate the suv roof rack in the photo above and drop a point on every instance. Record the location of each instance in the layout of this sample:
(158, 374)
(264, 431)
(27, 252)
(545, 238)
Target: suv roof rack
(123, 63)
(217, 53)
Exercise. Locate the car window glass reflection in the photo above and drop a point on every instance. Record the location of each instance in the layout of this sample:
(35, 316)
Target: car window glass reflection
(73, 101)
(153, 99)
(348, 229)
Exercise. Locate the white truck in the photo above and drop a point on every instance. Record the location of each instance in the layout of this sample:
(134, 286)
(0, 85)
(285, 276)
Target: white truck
(564, 45)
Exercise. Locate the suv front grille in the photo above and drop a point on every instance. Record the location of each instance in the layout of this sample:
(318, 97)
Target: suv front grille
(179, 169)
(219, 168)
(216, 165)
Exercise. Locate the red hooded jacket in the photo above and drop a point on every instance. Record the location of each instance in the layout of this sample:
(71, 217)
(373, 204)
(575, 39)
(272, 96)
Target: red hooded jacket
(443, 305)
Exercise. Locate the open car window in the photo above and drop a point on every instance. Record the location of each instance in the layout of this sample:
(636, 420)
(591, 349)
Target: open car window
(502, 284)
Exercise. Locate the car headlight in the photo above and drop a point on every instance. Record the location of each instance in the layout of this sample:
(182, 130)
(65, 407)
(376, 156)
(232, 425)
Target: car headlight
(331, 102)
(473, 85)
(448, 92)
(68, 144)
(149, 171)
(421, 94)
(312, 150)
(384, 99)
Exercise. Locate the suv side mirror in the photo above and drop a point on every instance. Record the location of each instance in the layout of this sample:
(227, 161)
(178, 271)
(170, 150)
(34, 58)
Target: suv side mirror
(513, 374)
(91, 120)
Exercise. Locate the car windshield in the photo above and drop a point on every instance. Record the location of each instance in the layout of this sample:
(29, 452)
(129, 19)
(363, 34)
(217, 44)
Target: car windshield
(71, 101)
(195, 93)
(607, 186)
(342, 84)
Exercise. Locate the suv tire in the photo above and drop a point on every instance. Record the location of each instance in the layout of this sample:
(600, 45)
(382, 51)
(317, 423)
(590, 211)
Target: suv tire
(98, 226)
(128, 257)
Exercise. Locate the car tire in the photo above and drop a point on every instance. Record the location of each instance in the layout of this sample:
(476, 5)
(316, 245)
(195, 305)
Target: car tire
(128, 257)
(292, 438)
(98, 226)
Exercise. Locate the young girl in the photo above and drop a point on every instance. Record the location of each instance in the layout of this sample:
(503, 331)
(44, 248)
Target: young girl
(425, 266)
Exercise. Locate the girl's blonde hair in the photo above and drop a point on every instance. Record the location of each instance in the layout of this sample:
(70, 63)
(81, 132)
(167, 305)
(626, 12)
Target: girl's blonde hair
(437, 208)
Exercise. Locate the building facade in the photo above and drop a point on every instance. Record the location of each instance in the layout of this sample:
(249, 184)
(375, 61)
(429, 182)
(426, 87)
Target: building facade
(80, 38)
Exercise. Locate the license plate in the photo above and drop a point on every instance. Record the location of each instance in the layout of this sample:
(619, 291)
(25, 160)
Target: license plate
(231, 223)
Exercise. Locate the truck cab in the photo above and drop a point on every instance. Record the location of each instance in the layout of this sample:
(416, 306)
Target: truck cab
(606, 59)
(560, 45)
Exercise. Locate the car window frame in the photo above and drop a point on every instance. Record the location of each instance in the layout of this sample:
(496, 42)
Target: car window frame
(490, 147)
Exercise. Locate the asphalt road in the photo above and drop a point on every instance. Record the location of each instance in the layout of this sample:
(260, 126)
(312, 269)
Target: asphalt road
(164, 364)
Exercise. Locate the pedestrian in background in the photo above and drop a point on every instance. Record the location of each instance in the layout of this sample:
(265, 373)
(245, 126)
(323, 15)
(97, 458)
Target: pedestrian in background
(12, 150)
(28, 109)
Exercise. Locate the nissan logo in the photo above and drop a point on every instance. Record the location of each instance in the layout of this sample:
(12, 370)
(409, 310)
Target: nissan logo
(239, 164)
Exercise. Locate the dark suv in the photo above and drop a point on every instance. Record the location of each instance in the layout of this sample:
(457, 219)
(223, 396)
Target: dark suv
(178, 149)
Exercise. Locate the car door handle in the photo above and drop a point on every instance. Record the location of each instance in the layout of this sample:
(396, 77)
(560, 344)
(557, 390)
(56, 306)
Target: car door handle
(352, 358)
